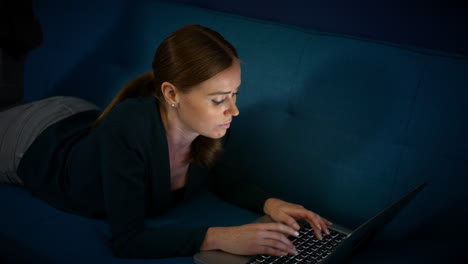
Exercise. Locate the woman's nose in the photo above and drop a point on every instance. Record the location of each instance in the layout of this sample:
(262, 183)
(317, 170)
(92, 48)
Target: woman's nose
(233, 110)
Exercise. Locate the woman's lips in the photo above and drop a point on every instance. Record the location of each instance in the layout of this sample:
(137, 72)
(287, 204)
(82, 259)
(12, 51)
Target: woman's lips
(226, 125)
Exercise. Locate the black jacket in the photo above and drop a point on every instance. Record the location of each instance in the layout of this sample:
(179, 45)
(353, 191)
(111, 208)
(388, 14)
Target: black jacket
(120, 170)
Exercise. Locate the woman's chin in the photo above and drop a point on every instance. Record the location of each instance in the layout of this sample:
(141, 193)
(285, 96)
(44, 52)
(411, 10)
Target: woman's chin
(216, 135)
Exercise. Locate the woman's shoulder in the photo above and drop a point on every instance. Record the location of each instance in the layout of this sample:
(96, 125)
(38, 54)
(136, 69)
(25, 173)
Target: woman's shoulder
(135, 118)
(136, 104)
(132, 110)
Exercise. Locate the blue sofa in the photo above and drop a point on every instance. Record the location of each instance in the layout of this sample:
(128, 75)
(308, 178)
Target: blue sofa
(340, 124)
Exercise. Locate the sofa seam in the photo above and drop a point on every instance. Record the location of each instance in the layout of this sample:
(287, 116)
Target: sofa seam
(293, 85)
(406, 127)
(411, 48)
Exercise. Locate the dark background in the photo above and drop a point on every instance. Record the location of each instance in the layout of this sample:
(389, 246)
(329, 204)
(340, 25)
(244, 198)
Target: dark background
(439, 25)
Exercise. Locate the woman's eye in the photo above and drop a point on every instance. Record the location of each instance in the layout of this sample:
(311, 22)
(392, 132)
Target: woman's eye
(220, 101)
(217, 102)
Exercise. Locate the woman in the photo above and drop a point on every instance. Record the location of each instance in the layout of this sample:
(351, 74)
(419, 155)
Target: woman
(151, 148)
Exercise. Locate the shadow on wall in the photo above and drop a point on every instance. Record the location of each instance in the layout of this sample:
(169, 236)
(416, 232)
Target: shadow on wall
(334, 148)
(126, 51)
(352, 140)
(101, 73)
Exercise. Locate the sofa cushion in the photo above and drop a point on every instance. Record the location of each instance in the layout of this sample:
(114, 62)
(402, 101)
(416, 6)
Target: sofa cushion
(342, 125)
(33, 230)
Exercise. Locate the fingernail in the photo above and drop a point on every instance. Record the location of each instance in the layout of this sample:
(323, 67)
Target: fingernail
(327, 232)
(294, 252)
(296, 226)
(296, 234)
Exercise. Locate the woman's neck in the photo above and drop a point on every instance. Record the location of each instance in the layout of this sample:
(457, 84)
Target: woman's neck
(179, 140)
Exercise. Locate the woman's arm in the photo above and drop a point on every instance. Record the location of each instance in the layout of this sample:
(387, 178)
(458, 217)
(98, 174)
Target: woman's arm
(125, 201)
(288, 213)
(265, 238)
(249, 196)
(251, 239)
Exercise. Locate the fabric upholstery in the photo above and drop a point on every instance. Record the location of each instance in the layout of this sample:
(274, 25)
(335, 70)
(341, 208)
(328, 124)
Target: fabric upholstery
(340, 124)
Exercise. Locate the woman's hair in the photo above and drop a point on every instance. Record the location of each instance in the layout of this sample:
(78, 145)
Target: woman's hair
(189, 56)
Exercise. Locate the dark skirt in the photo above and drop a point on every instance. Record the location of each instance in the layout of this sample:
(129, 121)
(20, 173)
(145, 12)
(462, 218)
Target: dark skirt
(22, 124)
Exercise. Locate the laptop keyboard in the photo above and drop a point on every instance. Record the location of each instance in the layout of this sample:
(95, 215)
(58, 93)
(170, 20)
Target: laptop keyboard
(309, 248)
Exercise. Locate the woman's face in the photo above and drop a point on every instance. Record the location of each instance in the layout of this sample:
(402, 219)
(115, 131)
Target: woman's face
(209, 106)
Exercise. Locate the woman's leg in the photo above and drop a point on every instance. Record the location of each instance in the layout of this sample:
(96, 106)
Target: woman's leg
(21, 125)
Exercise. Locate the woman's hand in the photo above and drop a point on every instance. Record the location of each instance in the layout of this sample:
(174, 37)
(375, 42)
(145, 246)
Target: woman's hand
(252, 239)
(288, 213)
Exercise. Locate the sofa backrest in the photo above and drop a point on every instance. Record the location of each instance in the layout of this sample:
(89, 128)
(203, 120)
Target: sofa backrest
(342, 125)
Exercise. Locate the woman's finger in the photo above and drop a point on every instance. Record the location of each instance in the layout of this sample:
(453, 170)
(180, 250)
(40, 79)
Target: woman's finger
(282, 228)
(271, 235)
(289, 220)
(326, 224)
(266, 250)
(317, 229)
(318, 224)
(279, 246)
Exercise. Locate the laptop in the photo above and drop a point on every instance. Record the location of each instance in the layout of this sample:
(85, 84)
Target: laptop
(333, 248)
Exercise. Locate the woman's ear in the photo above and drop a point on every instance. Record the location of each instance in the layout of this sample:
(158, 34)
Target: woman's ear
(169, 92)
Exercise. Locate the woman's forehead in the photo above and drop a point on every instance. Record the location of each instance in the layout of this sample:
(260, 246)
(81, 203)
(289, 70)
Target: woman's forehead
(226, 81)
